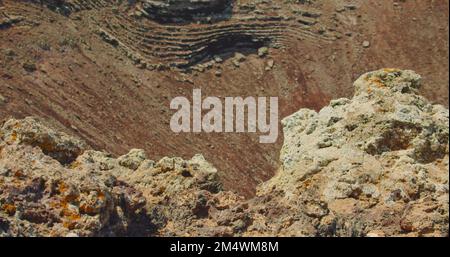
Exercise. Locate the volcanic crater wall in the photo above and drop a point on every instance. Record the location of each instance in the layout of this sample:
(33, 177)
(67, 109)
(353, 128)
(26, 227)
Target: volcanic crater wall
(106, 70)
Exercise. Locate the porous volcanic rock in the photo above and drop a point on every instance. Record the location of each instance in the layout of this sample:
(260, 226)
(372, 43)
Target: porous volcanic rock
(91, 193)
(33, 132)
(373, 165)
(376, 164)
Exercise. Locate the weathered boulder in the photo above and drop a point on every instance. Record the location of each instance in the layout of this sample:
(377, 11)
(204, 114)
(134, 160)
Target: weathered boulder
(32, 131)
(42, 194)
(133, 159)
(371, 163)
(40, 197)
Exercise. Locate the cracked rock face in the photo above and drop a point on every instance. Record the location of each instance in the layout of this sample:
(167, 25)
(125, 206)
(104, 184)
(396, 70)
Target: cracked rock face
(379, 158)
(373, 165)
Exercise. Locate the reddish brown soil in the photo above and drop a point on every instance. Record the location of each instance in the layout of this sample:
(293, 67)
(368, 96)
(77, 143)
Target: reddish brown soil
(95, 92)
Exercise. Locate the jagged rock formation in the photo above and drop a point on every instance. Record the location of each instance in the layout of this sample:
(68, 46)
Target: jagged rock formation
(376, 164)
(41, 197)
(373, 165)
(94, 194)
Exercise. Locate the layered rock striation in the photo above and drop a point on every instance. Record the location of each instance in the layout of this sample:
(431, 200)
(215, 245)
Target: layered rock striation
(182, 34)
(188, 10)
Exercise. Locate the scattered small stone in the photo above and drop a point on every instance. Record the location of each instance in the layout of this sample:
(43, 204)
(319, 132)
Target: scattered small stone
(10, 52)
(239, 57)
(133, 159)
(198, 68)
(379, 233)
(108, 38)
(263, 51)
(236, 63)
(2, 100)
(270, 64)
(321, 30)
(350, 7)
(29, 67)
(366, 44)
(28, 102)
(77, 18)
(208, 65)
(218, 59)
(218, 73)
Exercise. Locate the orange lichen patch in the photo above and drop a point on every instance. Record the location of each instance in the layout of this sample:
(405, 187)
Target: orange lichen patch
(62, 187)
(91, 207)
(71, 199)
(74, 165)
(19, 174)
(71, 221)
(70, 214)
(47, 146)
(307, 183)
(88, 209)
(10, 209)
(54, 204)
(70, 217)
(377, 82)
(100, 195)
(64, 202)
(14, 136)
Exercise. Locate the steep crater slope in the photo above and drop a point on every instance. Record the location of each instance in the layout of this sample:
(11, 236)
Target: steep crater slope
(106, 70)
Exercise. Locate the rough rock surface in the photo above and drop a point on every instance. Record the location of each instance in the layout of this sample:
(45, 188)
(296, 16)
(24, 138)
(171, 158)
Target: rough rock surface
(376, 164)
(373, 165)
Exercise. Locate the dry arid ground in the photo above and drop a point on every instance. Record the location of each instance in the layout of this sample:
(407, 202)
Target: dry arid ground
(62, 67)
(362, 151)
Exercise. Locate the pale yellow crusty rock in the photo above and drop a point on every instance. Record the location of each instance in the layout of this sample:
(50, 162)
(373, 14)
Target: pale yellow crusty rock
(375, 162)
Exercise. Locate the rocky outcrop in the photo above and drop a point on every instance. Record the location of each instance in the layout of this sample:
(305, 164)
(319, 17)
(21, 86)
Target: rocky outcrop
(376, 164)
(373, 165)
(42, 193)
(52, 185)
(31, 131)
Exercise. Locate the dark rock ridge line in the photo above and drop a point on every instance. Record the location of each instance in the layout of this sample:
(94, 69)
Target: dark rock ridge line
(188, 10)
